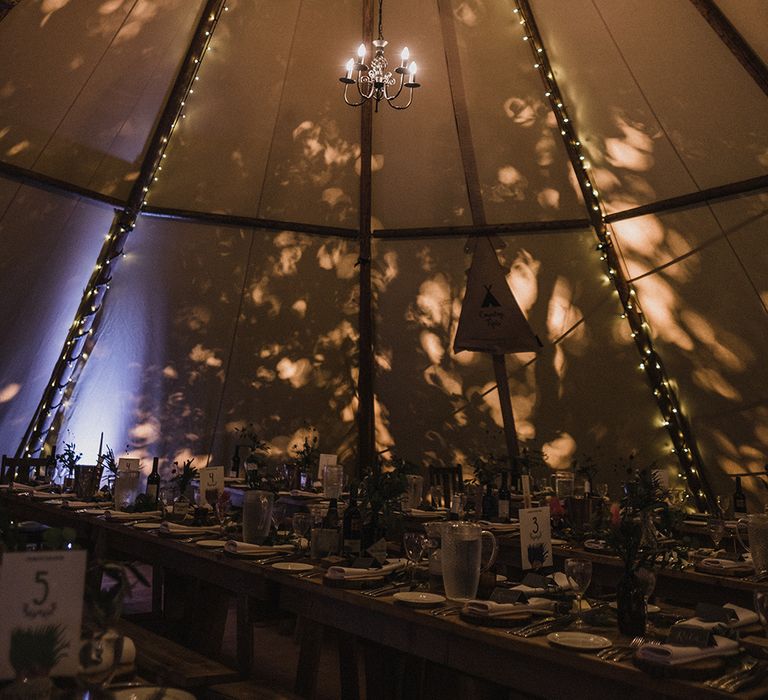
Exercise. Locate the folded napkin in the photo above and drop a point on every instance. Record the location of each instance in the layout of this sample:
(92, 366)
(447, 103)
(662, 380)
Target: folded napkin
(100, 663)
(744, 617)
(713, 562)
(236, 547)
(169, 528)
(560, 580)
(489, 608)
(671, 655)
(78, 504)
(305, 494)
(47, 493)
(347, 572)
(121, 515)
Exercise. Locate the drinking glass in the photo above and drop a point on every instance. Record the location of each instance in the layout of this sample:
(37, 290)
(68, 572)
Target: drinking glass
(414, 544)
(579, 572)
(716, 529)
(602, 490)
(257, 515)
(564, 485)
(302, 522)
(723, 505)
(126, 488)
(761, 608)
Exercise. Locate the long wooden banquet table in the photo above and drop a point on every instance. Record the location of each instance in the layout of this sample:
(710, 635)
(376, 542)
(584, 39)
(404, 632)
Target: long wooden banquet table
(528, 667)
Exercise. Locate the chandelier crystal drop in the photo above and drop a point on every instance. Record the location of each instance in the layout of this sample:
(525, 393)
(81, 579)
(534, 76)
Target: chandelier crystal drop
(374, 81)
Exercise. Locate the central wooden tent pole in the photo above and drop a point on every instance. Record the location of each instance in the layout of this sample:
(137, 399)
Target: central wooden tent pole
(472, 179)
(366, 428)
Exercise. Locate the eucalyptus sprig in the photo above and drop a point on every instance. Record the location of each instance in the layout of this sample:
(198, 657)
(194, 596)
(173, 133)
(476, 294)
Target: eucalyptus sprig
(184, 476)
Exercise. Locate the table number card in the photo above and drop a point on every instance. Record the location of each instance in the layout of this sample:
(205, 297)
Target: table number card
(325, 461)
(125, 464)
(535, 538)
(211, 479)
(42, 594)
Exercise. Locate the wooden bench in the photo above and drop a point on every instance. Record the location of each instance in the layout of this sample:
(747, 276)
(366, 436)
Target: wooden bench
(164, 661)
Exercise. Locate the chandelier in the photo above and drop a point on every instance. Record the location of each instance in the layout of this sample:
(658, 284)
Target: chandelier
(375, 81)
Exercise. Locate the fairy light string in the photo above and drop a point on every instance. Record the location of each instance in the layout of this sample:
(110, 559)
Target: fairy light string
(673, 418)
(82, 334)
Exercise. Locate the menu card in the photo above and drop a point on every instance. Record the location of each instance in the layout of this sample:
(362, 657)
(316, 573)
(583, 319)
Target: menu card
(535, 538)
(42, 594)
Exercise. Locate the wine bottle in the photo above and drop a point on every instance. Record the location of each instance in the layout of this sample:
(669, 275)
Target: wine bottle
(505, 498)
(489, 505)
(153, 483)
(352, 526)
(739, 499)
(236, 463)
(331, 520)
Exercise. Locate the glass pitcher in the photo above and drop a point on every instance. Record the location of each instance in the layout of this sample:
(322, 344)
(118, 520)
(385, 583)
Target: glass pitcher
(257, 515)
(757, 532)
(461, 555)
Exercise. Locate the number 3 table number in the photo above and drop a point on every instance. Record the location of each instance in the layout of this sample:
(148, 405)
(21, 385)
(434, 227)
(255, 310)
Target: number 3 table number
(535, 538)
(42, 594)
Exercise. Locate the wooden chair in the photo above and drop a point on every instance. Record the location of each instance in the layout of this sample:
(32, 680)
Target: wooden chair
(444, 482)
(26, 469)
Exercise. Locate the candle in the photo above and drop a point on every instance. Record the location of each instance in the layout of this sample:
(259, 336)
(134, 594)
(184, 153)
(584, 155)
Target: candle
(350, 65)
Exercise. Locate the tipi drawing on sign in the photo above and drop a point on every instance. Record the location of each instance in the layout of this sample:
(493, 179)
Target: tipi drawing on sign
(491, 320)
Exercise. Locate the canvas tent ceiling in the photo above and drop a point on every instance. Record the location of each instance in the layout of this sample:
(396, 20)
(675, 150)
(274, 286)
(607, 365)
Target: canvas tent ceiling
(208, 325)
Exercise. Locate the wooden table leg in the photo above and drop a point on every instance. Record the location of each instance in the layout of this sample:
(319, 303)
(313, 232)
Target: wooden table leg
(349, 678)
(244, 635)
(311, 641)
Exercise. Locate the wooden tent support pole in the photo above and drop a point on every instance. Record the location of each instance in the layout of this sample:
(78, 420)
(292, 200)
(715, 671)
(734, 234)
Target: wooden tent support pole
(508, 417)
(366, 427)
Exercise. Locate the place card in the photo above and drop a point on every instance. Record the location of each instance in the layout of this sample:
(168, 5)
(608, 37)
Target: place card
(536, 581)
(211, 479)
(535, 538)
(505, 595)
(125, 464)
(715, 613)
(682, 635)
(42, 594)
(325, 460)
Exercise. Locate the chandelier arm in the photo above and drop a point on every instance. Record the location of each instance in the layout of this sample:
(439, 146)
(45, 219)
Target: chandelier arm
(406, 105)
(364, 79)
(352, 104)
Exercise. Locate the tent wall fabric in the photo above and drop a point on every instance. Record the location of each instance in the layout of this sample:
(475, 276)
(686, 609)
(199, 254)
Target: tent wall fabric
(217, 321)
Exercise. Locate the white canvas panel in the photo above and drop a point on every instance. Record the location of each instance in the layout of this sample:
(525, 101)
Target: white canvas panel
(524, 170)
(48, 245)
(83, 83)
(711, 330)
(312, 172)
(418, 178)
(218, 154)
(583, 394)
(292, 363)
(750, 18)
(712, 111)
(156, 377)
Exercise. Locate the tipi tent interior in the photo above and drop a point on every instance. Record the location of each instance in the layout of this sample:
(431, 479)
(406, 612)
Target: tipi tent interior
(198, 233)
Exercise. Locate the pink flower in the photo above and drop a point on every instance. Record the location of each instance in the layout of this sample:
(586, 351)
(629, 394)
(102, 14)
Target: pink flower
(555, 507)
(615, 514)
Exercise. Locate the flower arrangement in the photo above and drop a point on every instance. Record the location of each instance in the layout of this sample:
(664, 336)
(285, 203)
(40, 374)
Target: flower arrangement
(182, 477)
(67, 460)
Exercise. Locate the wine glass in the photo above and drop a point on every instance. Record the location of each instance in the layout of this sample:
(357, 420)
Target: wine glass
(716, 529)
(602, 490)
(579, 573)
(723, 505)
(301, 522)
(414, 544)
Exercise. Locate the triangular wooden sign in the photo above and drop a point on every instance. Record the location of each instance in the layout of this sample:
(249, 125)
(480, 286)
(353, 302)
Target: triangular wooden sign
(491, 320)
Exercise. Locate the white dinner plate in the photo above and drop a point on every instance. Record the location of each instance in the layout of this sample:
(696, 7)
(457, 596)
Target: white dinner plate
(147, 692)
(651, 608)
(146, 526)
(419, 599)
(292, 566)
(211, 544)
(500, 578)
(558, 542)
(579, 641)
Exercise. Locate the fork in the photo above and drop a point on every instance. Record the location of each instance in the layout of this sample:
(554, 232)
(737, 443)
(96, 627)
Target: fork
(747, 664)
(618, 653)
(532, 627)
